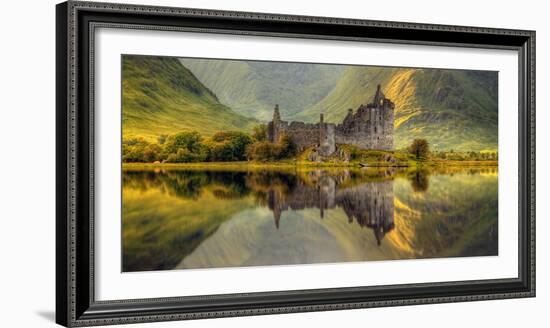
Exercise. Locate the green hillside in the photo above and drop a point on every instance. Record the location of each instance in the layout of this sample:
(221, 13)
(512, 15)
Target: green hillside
(452, 109)
(161, 96)
(252, 88)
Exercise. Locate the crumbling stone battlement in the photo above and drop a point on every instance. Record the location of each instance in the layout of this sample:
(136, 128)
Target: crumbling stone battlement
(370, 127)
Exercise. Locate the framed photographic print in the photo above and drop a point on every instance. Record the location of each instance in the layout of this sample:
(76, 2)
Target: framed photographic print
(214, 163)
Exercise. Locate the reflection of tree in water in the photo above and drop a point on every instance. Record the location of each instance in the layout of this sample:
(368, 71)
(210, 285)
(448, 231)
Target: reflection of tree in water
(365, 196)
(189, 184)
(157, 238)
(453, 214)
(420, 180)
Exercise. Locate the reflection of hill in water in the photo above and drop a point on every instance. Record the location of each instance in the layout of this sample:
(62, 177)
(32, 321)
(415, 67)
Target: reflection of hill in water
(234, 218)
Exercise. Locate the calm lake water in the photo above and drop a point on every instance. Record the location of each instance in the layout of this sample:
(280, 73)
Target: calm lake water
(194, 218)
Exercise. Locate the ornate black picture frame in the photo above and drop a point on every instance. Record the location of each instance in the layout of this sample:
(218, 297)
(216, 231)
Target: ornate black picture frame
(75, 301)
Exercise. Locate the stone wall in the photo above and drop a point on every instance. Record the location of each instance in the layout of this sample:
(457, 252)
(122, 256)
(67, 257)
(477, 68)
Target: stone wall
(304, 135)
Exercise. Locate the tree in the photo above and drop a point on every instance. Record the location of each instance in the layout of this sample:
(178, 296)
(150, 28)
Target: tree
(229, 146)
(162, 139)
(133, 150)
(184, 147)
(287, 147)
(259, 132)
(152, 153)
(419, 148)
(181, 156)
(270, 151)
(262, 151)
(190, 141)
(220, 151)
(185, 156)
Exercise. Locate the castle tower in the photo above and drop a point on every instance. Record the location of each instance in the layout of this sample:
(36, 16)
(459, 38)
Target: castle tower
(378, 97)
(370, 126)
(274, 204)
(273, 127)
(327, 145)
(276, 114)
(381, 117)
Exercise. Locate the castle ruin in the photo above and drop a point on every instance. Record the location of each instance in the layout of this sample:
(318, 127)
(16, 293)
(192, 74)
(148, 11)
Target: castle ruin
(370, 127)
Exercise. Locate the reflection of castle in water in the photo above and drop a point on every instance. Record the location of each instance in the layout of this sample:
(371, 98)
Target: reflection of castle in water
(365, 196)
(369, 204)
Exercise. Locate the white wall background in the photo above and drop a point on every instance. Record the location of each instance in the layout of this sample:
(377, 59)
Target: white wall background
(27, 162)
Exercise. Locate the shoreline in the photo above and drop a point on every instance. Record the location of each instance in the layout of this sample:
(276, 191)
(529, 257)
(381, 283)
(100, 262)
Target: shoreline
(296, 164)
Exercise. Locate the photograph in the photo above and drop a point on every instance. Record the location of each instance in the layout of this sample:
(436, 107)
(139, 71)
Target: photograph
(274, 161)
(237, 163)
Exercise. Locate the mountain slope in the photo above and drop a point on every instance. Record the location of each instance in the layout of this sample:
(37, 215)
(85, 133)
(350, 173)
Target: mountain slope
(252, 88)
(452, 109)
(161, 96)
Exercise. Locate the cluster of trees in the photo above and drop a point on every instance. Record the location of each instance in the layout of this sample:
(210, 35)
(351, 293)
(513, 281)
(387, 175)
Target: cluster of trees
(467, 156)
(420, 148)
(265, 151)
(230, 146)
(188, 147)
(225, 146)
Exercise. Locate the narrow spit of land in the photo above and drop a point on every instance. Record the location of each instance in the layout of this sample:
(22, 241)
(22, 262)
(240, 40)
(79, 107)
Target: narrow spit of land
(305, 164)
